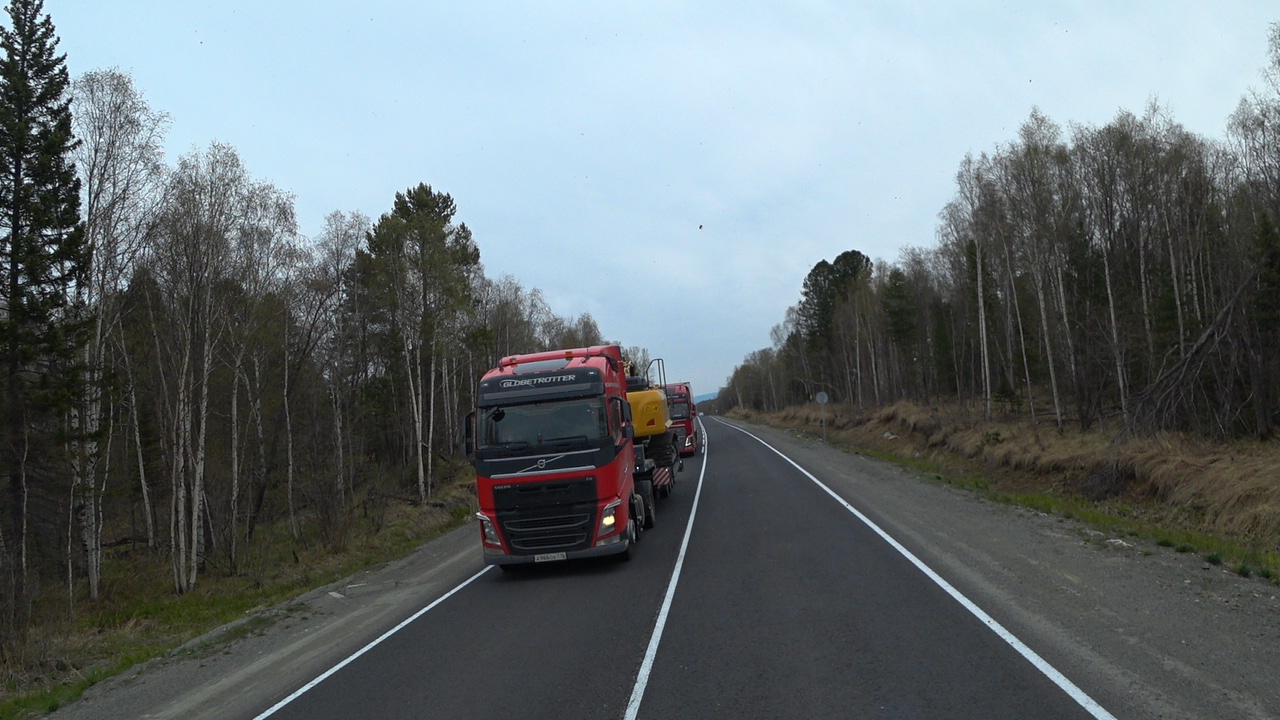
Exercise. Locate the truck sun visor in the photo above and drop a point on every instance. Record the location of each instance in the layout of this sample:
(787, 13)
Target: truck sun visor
(529, 387)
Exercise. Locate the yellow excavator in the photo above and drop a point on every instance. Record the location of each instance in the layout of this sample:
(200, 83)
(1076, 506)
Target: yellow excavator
(657, 454)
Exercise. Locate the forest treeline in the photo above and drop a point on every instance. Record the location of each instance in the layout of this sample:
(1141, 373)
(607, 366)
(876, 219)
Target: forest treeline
(1127, 273)
(181, 366)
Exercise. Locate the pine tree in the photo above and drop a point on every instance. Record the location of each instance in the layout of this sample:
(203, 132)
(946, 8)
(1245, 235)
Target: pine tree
(42, 259)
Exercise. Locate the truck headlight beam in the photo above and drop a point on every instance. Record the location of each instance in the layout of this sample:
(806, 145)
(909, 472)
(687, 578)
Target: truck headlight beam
(609, 519)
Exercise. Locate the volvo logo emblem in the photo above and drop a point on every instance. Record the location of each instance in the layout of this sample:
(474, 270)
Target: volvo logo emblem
(538, 465)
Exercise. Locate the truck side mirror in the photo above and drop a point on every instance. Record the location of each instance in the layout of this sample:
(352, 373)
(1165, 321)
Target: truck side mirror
(629, 431)
(469, 436)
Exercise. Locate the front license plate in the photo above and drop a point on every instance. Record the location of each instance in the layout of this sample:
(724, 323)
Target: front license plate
(548, 557)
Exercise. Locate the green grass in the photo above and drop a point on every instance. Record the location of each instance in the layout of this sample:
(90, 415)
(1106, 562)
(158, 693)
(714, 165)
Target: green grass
(54, 697)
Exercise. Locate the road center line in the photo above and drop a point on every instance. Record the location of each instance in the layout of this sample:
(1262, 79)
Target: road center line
(1081, 698)
(642, 679)
(298, 693)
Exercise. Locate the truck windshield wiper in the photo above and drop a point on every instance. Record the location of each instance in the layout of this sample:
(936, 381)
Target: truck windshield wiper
(568, 440)
(514, 445)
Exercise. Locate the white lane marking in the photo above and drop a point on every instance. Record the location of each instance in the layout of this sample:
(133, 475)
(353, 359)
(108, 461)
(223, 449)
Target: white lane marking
(642, 679)
(1081, 698)
(298, 693)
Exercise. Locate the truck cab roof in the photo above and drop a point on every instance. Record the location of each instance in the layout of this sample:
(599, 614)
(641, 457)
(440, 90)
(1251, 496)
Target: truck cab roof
(554, 375)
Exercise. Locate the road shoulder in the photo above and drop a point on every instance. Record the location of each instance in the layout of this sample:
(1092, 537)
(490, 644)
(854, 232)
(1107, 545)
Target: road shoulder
(1148, 632)
(241, 669)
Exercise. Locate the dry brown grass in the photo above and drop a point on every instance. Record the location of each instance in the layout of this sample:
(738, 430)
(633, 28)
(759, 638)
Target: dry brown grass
(1231, 490)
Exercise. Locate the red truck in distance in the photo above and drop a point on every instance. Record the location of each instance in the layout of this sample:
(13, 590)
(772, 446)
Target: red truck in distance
(683, 414)
(551, 440)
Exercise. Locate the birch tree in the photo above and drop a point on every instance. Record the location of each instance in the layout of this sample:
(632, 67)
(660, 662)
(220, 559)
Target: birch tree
(213, 207)
(336, 249)
(119, 160)
(262, 257)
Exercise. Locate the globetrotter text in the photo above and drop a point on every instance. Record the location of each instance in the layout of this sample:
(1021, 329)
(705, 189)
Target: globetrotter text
(536, 381)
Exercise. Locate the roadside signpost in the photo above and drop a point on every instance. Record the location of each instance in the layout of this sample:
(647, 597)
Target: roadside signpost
(822, 405)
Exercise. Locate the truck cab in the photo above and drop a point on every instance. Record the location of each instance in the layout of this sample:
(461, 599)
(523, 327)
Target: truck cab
(551, 442)
(683, 418)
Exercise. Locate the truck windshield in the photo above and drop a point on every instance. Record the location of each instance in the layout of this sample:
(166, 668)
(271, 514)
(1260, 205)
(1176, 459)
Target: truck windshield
(558, 423)
(679, 410)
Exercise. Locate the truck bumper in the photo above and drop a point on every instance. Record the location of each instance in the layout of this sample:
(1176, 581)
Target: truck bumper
(497, 557)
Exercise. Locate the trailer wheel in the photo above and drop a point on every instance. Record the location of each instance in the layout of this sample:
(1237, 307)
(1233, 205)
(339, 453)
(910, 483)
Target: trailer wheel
(645, 488)
(663, 450)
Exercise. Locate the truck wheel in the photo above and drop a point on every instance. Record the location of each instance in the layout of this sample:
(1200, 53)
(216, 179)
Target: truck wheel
(645, 488)
(633, 536)
(635, 524)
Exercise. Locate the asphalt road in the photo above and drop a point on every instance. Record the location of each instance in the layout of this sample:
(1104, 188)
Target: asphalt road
(832, 586)
(786, 606)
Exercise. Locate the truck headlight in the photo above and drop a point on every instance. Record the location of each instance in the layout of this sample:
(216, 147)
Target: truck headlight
(609, 518)
(488, 532)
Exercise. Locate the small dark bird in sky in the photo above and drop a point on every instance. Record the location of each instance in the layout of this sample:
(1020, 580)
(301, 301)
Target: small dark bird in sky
(699, 227)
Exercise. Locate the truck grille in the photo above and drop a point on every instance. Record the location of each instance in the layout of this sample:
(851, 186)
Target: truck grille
(547, 516)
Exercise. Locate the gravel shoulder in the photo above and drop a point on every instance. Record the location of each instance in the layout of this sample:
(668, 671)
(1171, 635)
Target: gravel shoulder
(1146, 631)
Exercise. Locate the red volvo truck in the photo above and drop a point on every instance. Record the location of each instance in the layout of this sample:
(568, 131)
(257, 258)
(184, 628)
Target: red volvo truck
(552, 444)
(683, 412)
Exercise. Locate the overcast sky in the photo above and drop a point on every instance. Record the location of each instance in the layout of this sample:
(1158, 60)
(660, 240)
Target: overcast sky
(673, 168)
